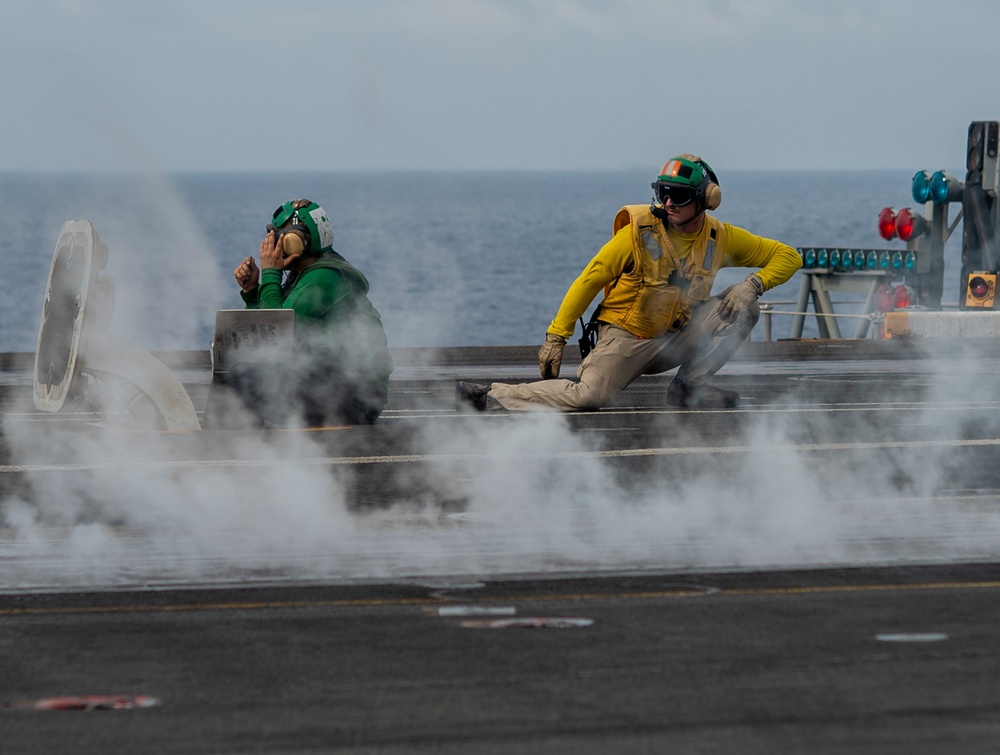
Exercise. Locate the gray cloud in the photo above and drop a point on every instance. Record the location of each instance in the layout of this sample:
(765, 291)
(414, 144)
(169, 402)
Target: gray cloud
(111, 84)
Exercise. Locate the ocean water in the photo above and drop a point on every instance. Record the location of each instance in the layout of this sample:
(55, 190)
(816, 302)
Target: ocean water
(454, 258)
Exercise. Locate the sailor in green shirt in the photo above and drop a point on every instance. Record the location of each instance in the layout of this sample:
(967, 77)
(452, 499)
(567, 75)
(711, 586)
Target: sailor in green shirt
(341, 366)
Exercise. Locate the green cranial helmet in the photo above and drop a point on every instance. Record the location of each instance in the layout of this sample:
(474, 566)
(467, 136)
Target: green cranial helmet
(305, 212)
(688, 176)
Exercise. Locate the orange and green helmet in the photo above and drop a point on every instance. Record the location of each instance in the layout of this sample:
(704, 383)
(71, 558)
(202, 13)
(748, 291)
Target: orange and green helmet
(684, 178)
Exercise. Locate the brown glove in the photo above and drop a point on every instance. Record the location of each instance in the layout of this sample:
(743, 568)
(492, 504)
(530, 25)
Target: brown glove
(739, 298)
(550, 356)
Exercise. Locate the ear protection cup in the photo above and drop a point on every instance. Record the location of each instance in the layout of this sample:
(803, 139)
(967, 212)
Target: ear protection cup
(293, 242)
(713, 196)
(293, 239)
(713, 192)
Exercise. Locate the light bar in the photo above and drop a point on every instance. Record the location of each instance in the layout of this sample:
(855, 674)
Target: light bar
(838, 261)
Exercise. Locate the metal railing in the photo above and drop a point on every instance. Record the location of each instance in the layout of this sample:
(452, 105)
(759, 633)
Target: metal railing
(767, 312)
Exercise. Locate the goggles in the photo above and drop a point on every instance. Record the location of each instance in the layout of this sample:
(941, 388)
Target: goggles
(678, 195)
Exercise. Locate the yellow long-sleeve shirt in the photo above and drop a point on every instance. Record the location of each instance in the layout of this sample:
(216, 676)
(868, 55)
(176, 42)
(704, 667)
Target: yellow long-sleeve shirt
(776, 263)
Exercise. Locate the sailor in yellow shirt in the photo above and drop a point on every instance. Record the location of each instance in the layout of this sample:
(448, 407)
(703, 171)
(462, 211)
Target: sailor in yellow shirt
(658, 311)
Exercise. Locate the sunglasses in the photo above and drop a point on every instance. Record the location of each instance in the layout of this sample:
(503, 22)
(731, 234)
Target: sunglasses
(678, 195)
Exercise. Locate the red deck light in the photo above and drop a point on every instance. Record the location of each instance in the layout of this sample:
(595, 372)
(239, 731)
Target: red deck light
(887, 224)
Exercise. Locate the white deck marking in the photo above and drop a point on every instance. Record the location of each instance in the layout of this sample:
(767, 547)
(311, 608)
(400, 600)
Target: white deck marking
(412, 458)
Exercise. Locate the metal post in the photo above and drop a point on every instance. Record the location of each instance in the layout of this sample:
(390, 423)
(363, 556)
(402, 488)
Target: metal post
(800, 306)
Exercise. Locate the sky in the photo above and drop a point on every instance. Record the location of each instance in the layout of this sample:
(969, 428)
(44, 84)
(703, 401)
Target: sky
(210, 85)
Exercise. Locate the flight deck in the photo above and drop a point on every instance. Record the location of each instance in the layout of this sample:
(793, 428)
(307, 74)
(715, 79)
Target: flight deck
(815, 571)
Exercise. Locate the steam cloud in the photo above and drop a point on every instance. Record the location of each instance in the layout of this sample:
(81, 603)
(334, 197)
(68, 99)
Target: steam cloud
(535, 497)
(489, 494)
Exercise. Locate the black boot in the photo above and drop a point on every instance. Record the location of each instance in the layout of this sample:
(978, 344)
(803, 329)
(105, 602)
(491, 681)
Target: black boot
(472, 394)
(702, 396)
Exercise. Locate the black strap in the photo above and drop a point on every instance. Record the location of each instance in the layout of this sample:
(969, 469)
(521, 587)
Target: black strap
(589, 338)
(710, 251)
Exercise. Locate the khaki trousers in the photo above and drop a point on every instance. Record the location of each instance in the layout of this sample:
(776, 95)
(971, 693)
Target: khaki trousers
(700, 349)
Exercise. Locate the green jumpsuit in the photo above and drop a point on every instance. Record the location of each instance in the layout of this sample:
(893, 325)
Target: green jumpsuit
(341, 366)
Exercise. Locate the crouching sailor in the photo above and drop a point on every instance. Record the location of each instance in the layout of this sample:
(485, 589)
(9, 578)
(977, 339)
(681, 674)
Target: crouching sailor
(658, 311)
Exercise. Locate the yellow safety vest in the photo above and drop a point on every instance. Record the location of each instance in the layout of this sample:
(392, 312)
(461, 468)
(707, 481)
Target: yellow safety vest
(656, 295)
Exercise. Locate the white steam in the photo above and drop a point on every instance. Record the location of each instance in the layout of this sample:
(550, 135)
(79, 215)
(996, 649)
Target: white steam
(491, 495)
(482, 495)
(167, 285)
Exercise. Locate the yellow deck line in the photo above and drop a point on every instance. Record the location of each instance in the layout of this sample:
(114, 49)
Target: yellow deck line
(694, 591)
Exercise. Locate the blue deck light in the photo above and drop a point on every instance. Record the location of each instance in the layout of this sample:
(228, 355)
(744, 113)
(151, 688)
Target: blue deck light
(945, 188)
(921, 187)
